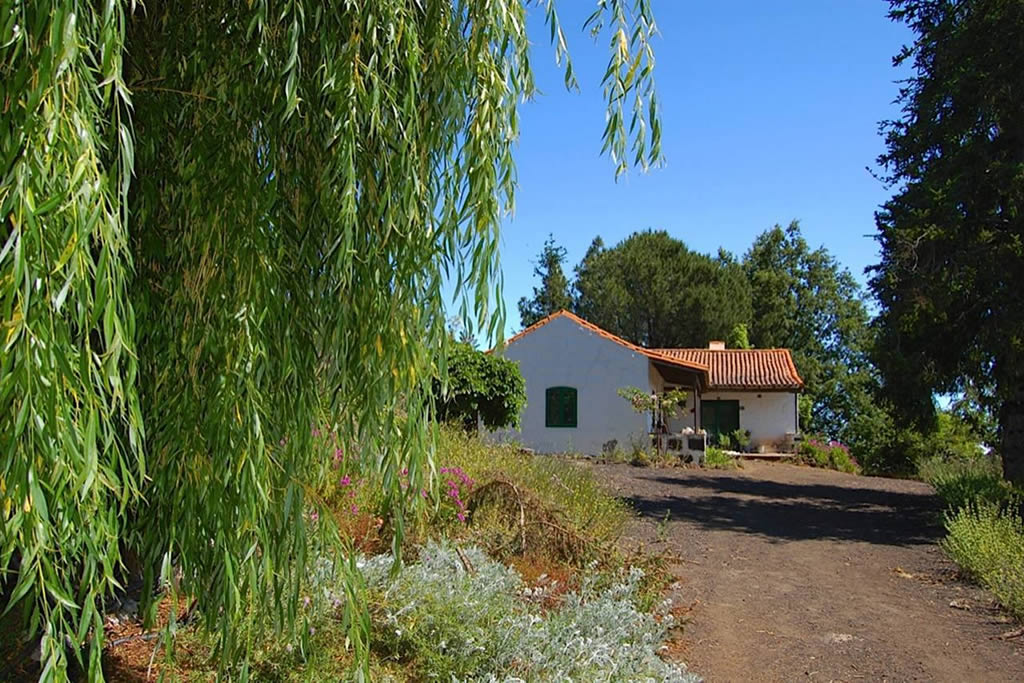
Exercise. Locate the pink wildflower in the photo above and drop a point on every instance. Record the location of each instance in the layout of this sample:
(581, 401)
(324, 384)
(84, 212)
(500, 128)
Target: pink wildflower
(345, 481)
(314, 515)
(355, 509)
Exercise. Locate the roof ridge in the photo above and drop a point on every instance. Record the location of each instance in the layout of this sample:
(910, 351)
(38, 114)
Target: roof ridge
(650, 353)
(702, 348)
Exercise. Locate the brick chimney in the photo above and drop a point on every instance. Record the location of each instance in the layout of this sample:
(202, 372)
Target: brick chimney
(716, 345)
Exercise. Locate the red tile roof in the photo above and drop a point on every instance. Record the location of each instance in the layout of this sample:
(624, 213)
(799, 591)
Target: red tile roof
(650, 353)
(744, 369)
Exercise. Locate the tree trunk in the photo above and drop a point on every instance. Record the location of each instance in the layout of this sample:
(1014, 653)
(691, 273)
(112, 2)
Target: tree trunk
(1011, 432)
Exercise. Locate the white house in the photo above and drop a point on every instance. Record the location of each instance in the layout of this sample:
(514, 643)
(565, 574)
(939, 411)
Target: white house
(574, 369)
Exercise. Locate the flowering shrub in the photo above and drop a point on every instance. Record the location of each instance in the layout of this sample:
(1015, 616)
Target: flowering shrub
(484, 623)
(827, 454)
(436, 619)
(354, 496)
(458, 485)
(987, 541)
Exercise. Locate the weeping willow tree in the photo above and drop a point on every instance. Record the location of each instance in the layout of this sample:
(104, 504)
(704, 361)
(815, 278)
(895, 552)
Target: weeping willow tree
(223, 221)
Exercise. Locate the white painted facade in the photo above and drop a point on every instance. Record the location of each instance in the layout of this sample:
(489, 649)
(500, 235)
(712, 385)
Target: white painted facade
(767, 415)
(562, 353)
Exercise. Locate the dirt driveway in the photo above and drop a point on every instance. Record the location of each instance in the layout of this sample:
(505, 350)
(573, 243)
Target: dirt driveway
(803, 574)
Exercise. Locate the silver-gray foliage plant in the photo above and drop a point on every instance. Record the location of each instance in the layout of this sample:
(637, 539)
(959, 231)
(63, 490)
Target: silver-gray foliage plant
(487, 625)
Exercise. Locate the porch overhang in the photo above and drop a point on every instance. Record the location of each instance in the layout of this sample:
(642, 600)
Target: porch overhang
(691, 377)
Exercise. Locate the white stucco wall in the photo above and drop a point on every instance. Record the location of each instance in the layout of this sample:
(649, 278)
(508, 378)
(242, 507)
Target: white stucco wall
(561, 353)
(767, 415)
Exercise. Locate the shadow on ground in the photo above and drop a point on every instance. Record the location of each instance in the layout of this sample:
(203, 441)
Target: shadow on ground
(780, 511)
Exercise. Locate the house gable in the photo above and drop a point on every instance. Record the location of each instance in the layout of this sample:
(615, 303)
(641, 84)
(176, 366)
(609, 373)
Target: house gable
(662, 359)
(566, 361)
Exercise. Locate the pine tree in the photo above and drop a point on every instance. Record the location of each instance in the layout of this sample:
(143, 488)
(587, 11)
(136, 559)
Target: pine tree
(952, 236)
(553, 294)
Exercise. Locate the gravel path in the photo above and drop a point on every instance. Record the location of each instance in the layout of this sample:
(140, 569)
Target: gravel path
(803, 574)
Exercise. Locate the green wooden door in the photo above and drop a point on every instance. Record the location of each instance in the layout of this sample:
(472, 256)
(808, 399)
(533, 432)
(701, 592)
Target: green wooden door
(719, 419)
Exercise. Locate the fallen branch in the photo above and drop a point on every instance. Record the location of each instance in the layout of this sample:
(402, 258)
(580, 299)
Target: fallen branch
(466, 564)
(148, 635)
(482, 493)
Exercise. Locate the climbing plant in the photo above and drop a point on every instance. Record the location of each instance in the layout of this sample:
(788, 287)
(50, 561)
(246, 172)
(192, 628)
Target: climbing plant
(226, 226)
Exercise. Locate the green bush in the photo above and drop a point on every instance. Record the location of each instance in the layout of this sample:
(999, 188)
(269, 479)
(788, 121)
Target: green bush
(884, 448)
(987, 540)
(828, 455)
(961, 482)
(984, 534)
(738, 440)
(717, 459)
(480, 384)
(641, 458)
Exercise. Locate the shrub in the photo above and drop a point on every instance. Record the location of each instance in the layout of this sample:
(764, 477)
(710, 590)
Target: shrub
(960, 482)
(987, 541)
(641, 458)
(882, 447)
(829, 455)
(738, 440)
(555, 489)
(459, 617)
(984, 534)
(717, 459)
(480, 384)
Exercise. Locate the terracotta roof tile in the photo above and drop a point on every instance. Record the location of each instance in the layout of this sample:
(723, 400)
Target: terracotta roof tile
(743, 368)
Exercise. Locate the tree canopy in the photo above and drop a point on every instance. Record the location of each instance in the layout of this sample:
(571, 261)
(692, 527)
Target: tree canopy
(226, 223)
(803, 300)
(553, 294)
(653, 291)
(952, 236)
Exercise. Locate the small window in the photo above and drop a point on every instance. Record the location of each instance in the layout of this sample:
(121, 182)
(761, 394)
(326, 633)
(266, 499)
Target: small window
(560, 407)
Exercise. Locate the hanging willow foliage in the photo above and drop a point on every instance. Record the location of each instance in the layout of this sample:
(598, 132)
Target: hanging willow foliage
(224, 220)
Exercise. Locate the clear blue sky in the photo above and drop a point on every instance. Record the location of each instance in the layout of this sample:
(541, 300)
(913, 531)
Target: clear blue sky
(770, 113)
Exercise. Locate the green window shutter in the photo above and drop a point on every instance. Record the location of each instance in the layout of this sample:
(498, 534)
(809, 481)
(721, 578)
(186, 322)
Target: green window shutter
(560, 407)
